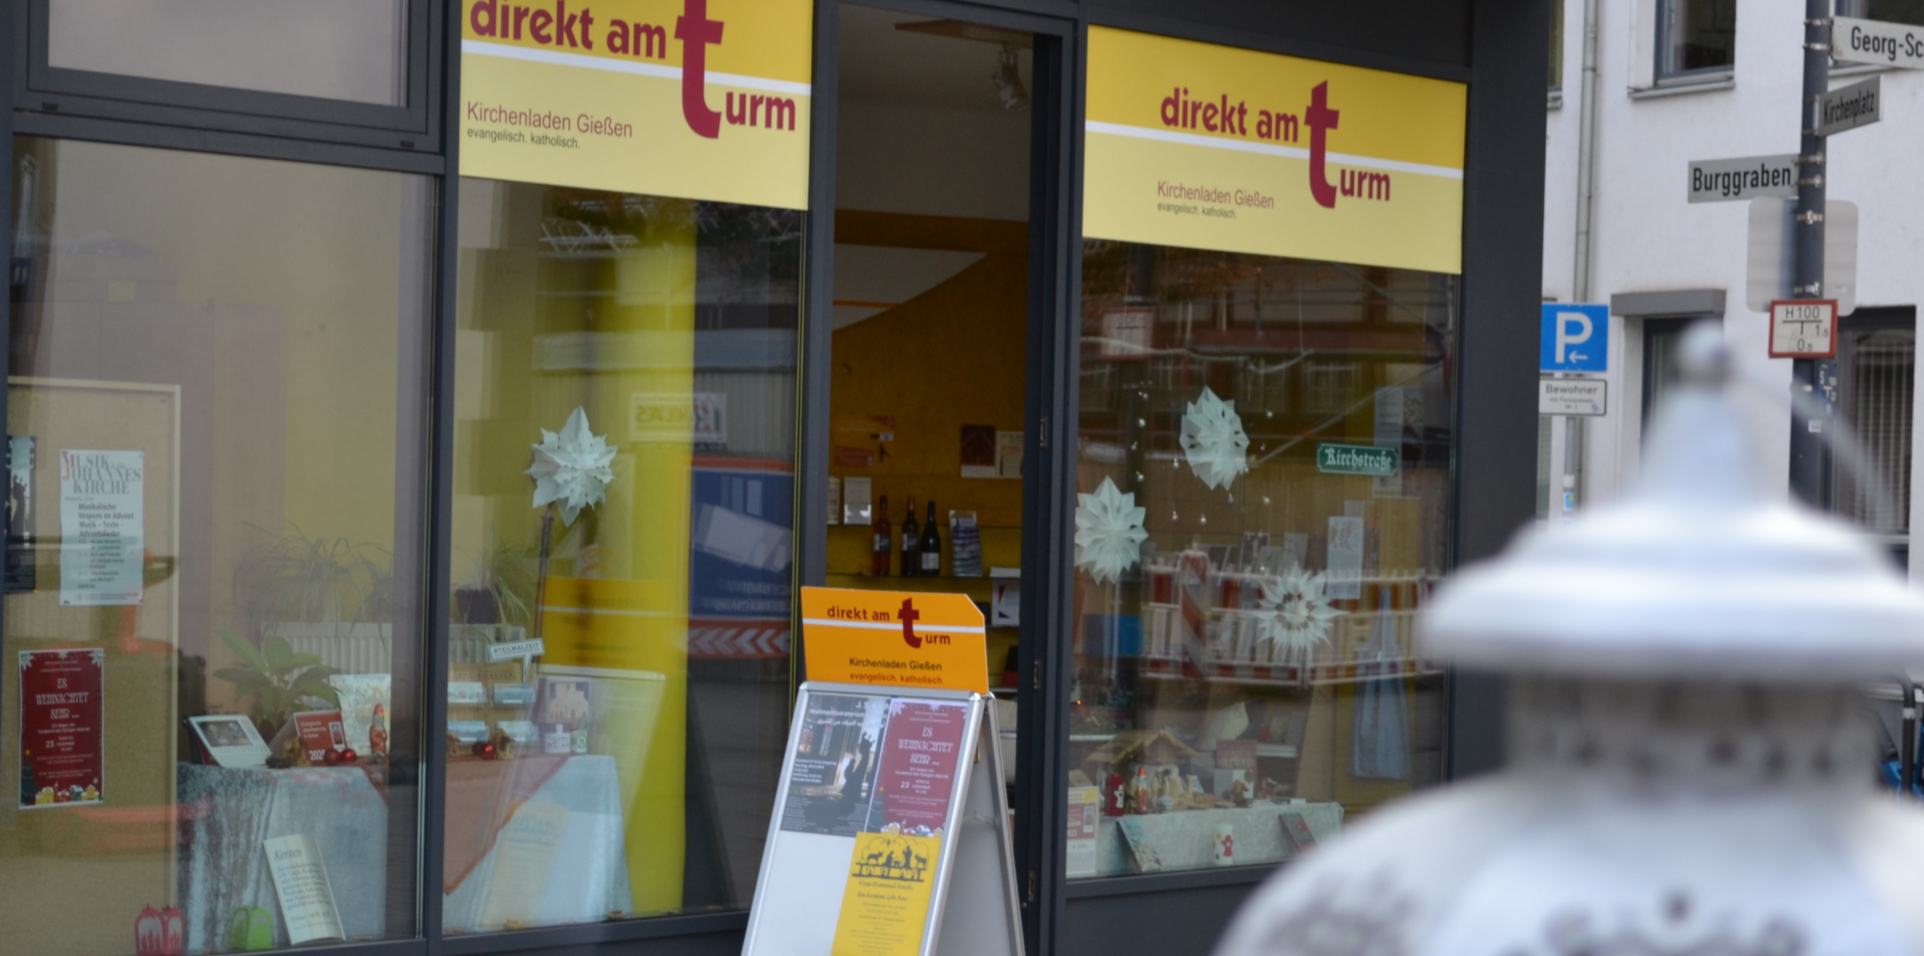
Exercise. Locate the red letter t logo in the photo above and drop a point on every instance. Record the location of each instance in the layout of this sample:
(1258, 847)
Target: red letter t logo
(1321, 120)
(908, 616)
(696, 31)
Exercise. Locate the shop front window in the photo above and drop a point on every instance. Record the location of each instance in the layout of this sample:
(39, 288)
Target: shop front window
(216, 427)
(1269, 439)
(622, 553)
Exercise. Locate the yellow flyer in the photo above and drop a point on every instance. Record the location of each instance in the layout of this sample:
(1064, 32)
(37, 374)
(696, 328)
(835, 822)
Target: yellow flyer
(885, 908)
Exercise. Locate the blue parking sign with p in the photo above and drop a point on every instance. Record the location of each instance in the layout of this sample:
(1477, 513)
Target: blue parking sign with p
(1576, 338)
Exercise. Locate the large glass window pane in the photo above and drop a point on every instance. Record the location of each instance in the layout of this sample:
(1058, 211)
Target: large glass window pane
(626, 765)
(339, 50)
(215, 417)
(1251, 682)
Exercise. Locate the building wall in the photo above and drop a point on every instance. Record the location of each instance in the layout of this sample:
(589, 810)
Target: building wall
(1648, 238)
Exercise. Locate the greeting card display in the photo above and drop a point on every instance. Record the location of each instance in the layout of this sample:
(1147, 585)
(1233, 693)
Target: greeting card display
(230, 740)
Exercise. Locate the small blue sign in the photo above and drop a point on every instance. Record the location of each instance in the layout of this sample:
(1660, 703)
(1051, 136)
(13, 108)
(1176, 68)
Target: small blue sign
(1576, 338)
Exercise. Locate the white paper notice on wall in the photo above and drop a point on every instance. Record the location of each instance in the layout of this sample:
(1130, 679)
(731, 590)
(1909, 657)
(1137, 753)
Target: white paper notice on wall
(101, 527)
(1345, 558)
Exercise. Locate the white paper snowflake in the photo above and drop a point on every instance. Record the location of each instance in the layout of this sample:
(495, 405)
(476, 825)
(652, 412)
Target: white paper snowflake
(571, 467)
(1295, 612)
(1109, 532)
(1213, 440)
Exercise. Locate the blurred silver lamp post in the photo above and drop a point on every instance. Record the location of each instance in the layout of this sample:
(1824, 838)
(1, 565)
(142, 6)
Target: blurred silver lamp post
(1689, 770)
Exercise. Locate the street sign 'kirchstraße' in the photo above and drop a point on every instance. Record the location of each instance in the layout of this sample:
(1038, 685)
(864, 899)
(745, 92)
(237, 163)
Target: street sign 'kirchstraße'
(1876, 42)
(1747, 177)
(1358, 460)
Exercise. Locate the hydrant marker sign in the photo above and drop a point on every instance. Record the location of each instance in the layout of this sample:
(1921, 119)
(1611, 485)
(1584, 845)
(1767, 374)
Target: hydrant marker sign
(1214, 147)
(61, 734)
(101, 530)
(696, 99)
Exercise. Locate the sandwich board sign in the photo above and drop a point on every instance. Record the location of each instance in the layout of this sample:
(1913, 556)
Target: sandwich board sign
(891, 812)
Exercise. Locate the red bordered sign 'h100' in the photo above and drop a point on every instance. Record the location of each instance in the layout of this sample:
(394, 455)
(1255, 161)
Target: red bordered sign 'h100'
(1803, 328)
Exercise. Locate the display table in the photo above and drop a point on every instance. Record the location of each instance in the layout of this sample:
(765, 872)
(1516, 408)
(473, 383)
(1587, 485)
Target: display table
(223, 867)
(534, 841)
(1185, 839)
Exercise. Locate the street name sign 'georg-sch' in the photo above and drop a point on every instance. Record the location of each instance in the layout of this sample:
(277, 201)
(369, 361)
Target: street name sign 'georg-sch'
(1876, 42)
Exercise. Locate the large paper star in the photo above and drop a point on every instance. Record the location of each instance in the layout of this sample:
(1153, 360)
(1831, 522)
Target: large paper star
(571, 467)
(1109, 532)
(1295, 613)
(1213, 440)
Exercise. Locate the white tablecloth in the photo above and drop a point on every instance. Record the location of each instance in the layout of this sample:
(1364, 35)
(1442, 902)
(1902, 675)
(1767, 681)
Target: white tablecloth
(227, 813)
(573, 825)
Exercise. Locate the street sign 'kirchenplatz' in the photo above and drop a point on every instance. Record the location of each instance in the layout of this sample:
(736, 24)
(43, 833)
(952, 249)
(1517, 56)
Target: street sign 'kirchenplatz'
(1877, 42)
(1358, 460)
(1858, 104)
(1747, 177)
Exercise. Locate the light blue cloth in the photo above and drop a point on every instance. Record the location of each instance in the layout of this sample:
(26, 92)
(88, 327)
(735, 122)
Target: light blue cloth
(1380, 747)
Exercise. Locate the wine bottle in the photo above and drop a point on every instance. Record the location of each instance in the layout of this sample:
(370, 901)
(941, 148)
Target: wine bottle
(884, 539)
(931, 545)
(911, 544)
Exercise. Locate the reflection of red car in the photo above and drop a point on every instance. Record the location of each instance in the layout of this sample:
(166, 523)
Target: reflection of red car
(131, 829)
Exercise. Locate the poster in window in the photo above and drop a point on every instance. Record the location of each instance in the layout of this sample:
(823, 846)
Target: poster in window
(919, 755)
(61, 733)
(101, 527)
(833, 776)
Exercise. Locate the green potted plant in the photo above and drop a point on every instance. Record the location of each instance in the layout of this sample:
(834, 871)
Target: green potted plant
(280, 680)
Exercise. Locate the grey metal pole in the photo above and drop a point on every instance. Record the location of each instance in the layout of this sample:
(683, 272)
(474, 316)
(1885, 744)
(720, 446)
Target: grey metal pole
(1807, 471)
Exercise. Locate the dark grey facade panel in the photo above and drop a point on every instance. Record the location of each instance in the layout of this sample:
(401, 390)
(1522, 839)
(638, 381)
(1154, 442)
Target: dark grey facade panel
(1436, 33)
(1643, 305)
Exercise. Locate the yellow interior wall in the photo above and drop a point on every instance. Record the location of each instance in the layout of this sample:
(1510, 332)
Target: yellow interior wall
(952, 356)
(633, 595)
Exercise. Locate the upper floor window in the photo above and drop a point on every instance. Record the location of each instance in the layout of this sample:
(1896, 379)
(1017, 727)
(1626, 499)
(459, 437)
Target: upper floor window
(1695, 36)
(1892, 11)
(352, 50)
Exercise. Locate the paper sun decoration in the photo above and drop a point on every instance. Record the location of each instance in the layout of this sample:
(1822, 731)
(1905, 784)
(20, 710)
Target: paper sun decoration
(1109, 532)
(1295, 612)
(571, 467)
(1213, 440)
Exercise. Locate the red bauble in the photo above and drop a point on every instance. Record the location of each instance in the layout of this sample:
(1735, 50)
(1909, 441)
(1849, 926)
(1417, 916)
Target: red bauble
(485, 751)
(349, 756)
(331, 758)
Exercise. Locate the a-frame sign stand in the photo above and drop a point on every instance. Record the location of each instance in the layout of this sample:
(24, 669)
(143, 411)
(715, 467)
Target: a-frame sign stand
(890, 835)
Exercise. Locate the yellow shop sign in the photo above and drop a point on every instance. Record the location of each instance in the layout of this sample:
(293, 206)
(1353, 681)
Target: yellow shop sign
(1211, 147)
(697, 99)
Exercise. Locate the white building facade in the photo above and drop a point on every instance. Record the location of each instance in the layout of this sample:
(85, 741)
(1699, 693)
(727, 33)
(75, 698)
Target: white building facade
(1684, 80)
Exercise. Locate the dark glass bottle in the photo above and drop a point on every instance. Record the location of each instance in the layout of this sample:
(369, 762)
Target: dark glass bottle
(884, 539)
(931, 545)
(911, 544)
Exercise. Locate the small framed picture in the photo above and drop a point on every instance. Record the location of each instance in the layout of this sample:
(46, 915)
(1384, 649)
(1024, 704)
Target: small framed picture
(230, 739)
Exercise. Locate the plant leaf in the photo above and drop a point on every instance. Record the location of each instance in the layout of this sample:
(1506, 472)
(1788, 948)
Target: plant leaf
(241, 647)
(304, 660)
(319, 689)
(280, 656)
